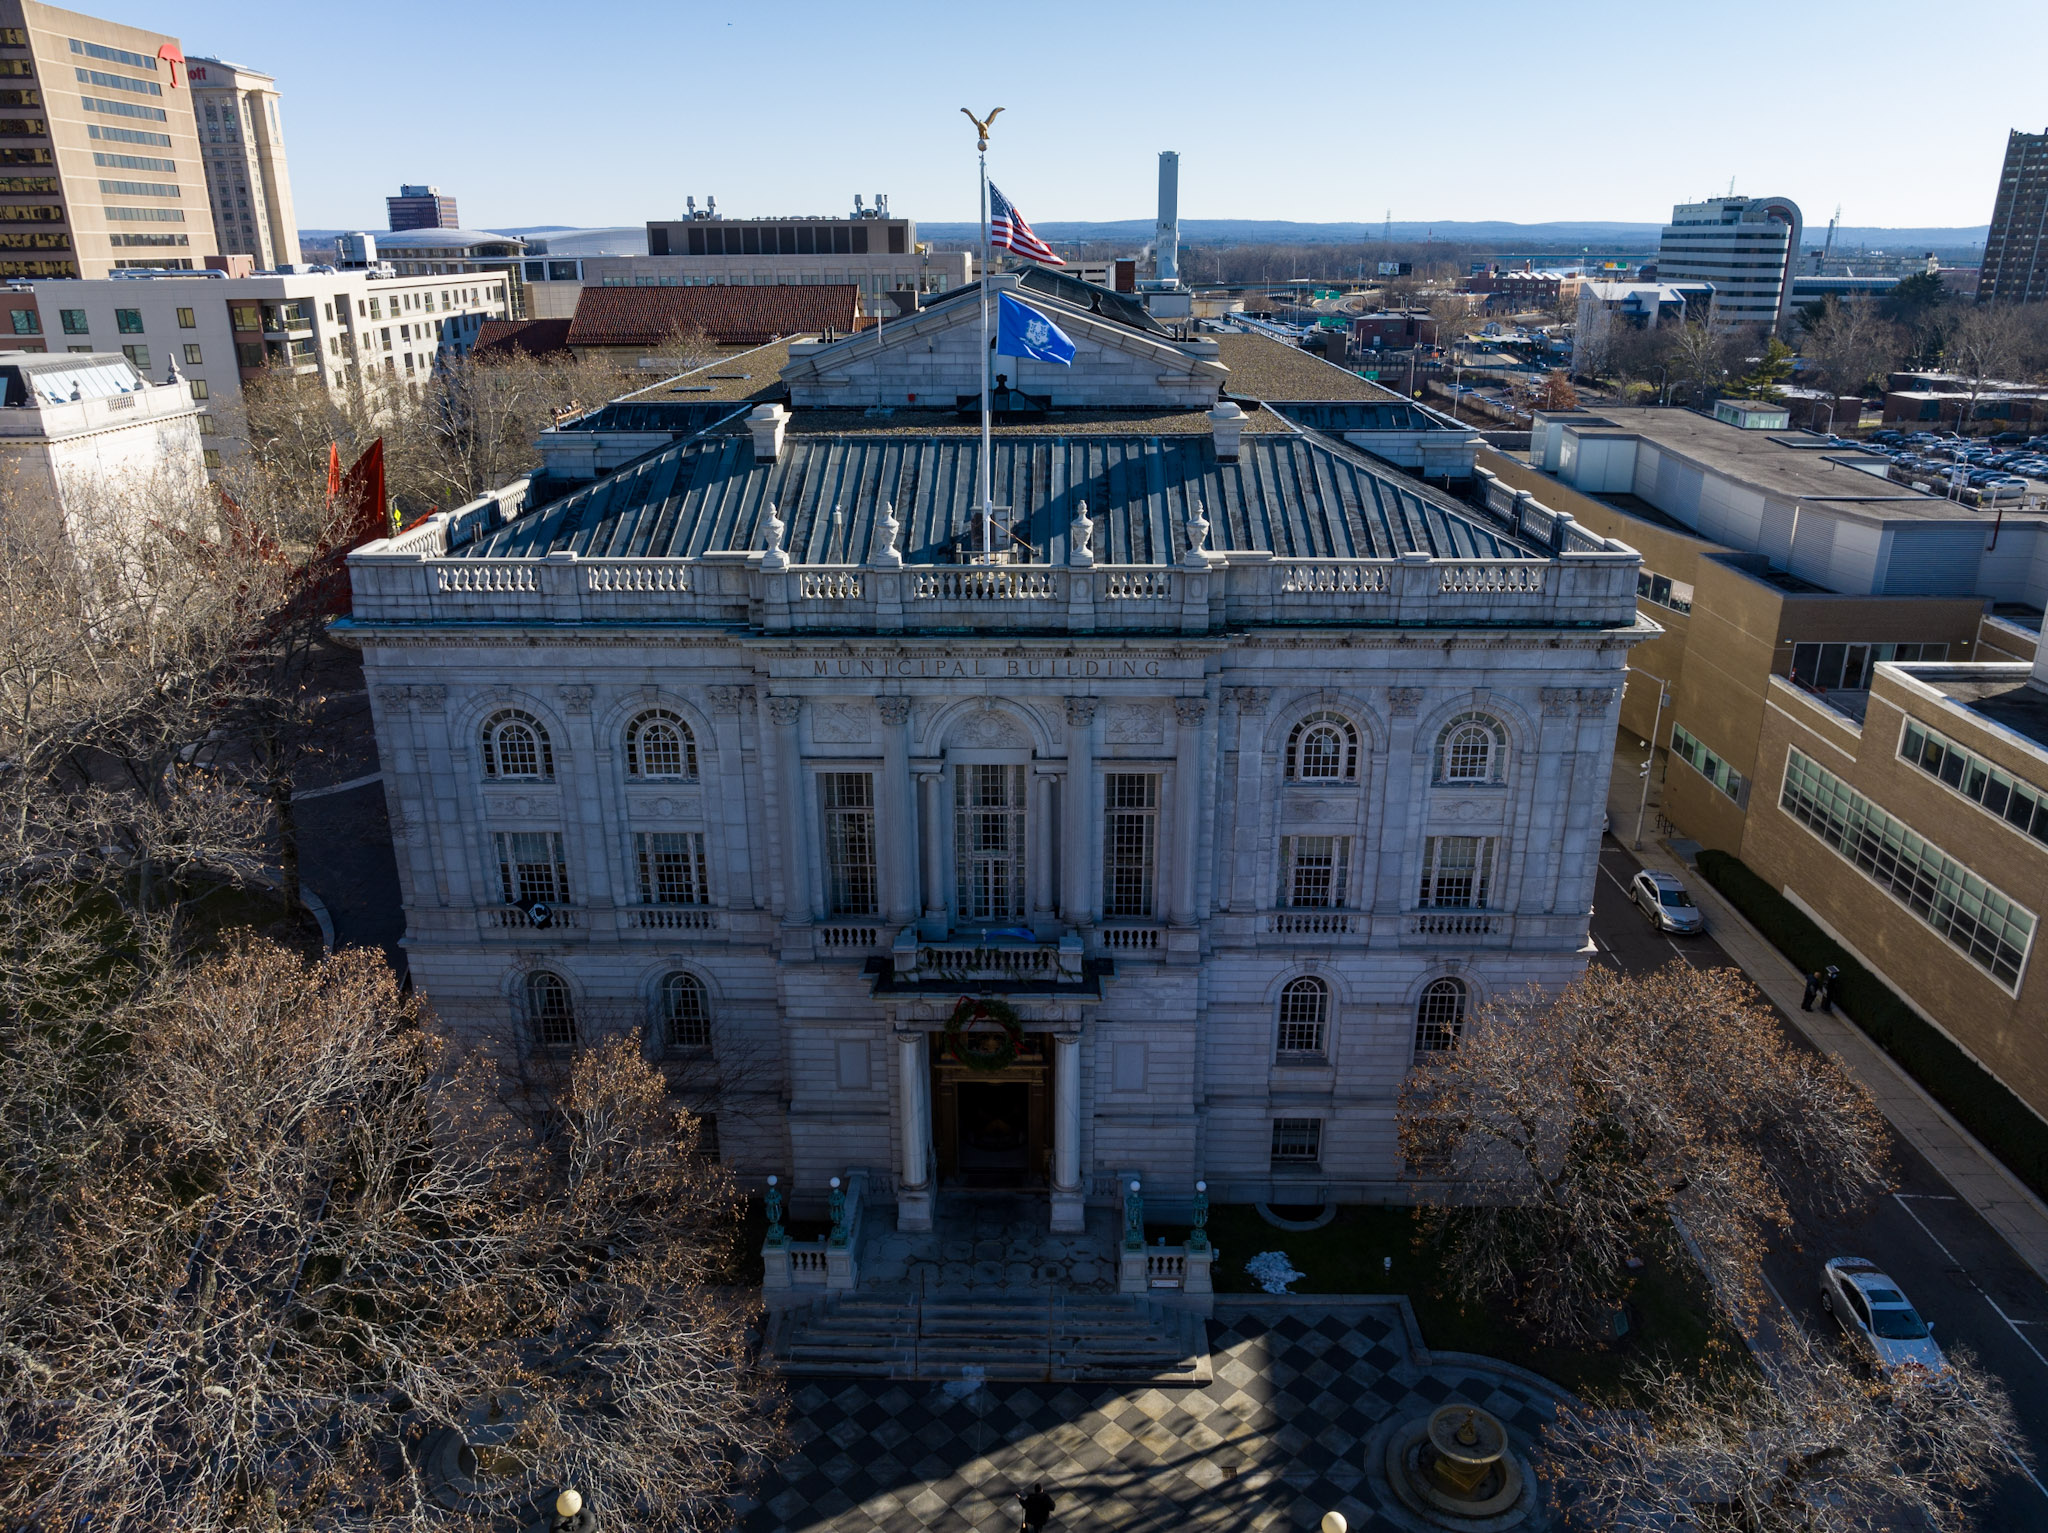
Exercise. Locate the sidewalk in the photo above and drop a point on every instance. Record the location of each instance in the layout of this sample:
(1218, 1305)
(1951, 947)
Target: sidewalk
(1979, 1178)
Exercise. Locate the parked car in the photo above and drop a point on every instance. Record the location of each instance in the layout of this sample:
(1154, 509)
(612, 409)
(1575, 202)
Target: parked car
(1664, 902)
(1876, 1316)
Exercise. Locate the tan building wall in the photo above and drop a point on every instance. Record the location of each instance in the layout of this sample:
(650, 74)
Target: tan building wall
(98, 147)
(238, 111)
(2007, 1033)
(1718, 659)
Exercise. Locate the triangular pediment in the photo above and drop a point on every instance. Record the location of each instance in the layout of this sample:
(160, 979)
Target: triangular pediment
(929, 361)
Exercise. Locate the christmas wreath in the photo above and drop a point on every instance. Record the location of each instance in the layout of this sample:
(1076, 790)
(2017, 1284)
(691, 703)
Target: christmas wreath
(1003, 1046)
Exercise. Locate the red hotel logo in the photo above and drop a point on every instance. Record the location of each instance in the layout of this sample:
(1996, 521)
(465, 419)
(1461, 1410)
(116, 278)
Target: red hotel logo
(173, 55)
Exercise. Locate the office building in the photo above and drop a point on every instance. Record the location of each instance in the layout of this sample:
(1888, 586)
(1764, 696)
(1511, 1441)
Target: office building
(100, 161)
(242, 137)
(420, 207)
(2015, 266)
(871, 249)
(1606, 307)
(1744, 246)
(1240, 766)
(220, 331)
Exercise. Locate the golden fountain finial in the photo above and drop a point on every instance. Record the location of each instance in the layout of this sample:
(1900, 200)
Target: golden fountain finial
(981, 125)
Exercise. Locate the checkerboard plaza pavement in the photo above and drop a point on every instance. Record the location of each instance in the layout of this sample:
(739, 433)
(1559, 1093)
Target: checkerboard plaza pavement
(1276, 1440)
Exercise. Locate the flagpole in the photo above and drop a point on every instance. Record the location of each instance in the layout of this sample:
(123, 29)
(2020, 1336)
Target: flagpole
(987, 507)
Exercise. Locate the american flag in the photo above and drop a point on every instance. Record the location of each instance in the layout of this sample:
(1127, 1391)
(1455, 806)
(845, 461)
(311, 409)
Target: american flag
(1006, 227)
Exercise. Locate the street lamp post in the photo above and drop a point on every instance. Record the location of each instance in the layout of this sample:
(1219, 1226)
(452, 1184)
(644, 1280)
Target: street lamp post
(1649, 761)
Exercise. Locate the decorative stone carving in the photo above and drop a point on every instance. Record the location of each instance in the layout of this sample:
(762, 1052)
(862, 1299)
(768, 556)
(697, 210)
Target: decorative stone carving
(1080, 712)
(846, 723)
(665, 808)
(1594, 701)
(1198, 536)
(576, 699)
(785, 710)
(989, 729)
(724, 699)
(895, 711)
(1189, 711)
(774, 558)
(1134, 724)
(394, 697)
(1403, 702)
(885, 555)
(1559, 701)
(1081, 537)
(1253, 702)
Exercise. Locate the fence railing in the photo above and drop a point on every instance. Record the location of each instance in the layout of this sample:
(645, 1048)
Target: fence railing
(798, 1271)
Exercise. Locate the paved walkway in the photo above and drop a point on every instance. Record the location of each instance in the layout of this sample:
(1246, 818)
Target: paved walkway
(981, 1241)
(1978, 1176)
(1303, 1397)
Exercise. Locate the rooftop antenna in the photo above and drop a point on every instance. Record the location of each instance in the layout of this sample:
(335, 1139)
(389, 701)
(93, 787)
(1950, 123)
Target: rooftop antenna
(1731, 186)
(1387, 229)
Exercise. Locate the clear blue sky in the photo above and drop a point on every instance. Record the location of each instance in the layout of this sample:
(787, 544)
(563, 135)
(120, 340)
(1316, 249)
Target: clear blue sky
(598, 112)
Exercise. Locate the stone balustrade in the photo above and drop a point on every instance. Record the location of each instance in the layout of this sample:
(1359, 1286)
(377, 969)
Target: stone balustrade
(1586, 582)
(799, 1271)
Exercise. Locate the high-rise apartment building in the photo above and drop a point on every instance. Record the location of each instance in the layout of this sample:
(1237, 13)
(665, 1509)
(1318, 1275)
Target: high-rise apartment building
(242, 138)
(1744, 246)
(2016, 249)
(100, 165)
(420, 207)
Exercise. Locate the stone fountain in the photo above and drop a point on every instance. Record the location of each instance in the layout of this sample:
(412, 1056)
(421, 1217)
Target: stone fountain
(1456, 1469)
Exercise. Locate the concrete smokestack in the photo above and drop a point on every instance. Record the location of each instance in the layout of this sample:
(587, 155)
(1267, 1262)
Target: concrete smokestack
(1166, 237)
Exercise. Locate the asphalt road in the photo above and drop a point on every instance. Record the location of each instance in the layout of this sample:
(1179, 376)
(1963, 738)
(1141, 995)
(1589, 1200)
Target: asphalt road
(1954, 1267)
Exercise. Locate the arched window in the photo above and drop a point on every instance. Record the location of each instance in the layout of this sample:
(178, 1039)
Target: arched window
(549, 1011)
(660, 746)
(1440, 1017)
(1323, 748)
(1304, 1009)
(516, 748)
(685, 1012)
(1472, 748)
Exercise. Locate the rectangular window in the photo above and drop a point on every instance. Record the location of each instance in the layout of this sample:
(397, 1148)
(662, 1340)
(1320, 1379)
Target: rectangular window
(134, 162)
(139, 355)
(1297, 1141)
(1983, 922)
(249, 353)
(849, 803)
(145, 215)
(988, 843)
(1457, 873)
(672, 868)
(1664, 591)
(27, 322)
(111, 55)
(1315, 871)
(1130, 838)
(1687, 748)
(140, 188)
(105, 81)
(28, 184)
(30, 212)
(2014, 800)
(193, 357)
(1846, 667)
(212, 458)
(187, 320)
(531, 867)
(207, 425)
(128, 136)
(199, 388)
(128, 321)
(74, 321)
(123, 109)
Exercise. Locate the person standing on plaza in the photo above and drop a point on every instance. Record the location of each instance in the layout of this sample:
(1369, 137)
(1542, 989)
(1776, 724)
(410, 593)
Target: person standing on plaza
(1037, 1507)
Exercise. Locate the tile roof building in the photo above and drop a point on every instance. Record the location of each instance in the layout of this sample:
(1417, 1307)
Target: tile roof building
(1238, 764)
(636, 318)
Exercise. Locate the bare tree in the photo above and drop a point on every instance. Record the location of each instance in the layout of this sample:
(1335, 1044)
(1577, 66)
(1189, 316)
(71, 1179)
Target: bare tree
(1565, 1131)
(1699, 357)
(1985, 346)
(1850, 346)
(1816, 1446)
(1452, 315)
(295, 1268)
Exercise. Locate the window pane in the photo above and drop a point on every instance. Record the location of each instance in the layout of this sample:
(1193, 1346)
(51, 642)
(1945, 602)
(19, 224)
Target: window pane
(1303, 1007)
(988, 833)
(672, 868)
(1129, 843)
(1297, 1139)
(849, 800)
(686, 1015)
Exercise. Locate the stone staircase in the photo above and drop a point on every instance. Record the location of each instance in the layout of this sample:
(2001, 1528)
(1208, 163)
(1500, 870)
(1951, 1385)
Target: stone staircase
(1008, 1335)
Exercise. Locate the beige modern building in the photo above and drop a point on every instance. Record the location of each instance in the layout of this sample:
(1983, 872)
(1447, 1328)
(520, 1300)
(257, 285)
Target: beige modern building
(876, 253)
(243, 140)
(100, 164)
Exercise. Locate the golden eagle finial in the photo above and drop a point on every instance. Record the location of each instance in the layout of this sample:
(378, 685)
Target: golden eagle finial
(981, 125)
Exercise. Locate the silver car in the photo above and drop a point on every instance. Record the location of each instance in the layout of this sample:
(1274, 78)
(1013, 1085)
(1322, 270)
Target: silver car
(1663, 900)
(1876, 1316)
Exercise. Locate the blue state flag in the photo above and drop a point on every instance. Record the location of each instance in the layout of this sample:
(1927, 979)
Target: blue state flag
(1021, 331)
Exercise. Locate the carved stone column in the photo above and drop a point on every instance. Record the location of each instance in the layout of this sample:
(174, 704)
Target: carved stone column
(1077, 834)
(1403, 796)
(913, 1095)
(934, 843)
(802, 898)
(1254, 796)
(1188, 713)
(732, 802)
(898, 828)
(1068, 1211)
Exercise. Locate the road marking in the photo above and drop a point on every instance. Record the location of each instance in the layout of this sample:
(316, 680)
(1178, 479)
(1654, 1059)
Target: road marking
(2010, 1323)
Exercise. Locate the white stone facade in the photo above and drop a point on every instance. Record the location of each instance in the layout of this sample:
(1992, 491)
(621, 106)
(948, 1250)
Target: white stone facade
(1175, 1067)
